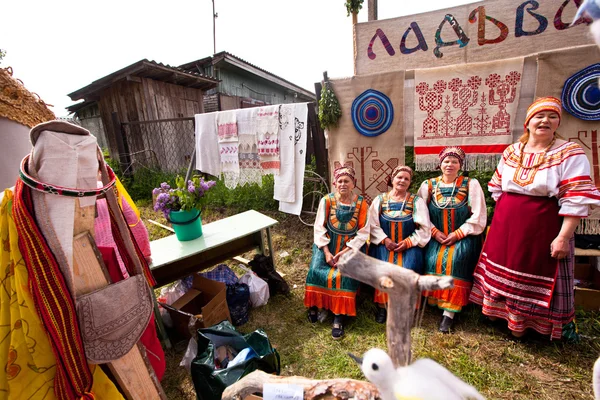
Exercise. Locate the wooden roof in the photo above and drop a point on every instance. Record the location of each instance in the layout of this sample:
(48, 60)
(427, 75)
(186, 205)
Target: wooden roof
(147, 69)
(225, 57)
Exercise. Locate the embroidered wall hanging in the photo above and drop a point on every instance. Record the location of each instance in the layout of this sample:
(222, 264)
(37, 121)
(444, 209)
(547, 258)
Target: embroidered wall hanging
(372, 113)
(554, 69)
(373, 157)
(473, 106)
(581, 94)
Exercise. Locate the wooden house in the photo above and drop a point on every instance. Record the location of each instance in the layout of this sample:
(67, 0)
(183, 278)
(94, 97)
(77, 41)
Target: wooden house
(242, 84)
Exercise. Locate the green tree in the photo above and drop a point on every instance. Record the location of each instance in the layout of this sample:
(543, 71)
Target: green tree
(2, 55)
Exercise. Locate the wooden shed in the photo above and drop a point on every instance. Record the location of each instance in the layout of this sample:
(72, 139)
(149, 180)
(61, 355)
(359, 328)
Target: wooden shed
(144, 91)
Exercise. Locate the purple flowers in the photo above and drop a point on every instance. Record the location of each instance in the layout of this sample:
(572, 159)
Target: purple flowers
(186, 196)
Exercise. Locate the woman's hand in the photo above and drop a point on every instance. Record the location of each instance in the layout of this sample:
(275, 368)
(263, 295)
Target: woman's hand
(389, 244)
(559, 248)
(329, 258)
(439, 236)
(338, 255)
(450, 239)
(401, 247)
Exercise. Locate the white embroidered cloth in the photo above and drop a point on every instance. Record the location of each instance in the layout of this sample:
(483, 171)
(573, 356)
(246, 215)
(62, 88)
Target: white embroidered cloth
(250, 171)
(284, 189)
(267, 130)
(300, 137)
(228, 147)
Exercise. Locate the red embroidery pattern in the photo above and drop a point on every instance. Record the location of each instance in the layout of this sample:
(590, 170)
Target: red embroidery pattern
(372, 172)
(471, 101)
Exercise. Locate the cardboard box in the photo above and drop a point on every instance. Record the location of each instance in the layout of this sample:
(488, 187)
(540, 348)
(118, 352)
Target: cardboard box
(587, 299)
(206, 300)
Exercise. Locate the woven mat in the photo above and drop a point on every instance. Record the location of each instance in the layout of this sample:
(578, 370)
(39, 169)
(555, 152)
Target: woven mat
(473, 106)
(554, 68)
(375, 157)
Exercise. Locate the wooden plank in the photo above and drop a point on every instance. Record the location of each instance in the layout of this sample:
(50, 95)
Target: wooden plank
(587, 252)
(89, 274)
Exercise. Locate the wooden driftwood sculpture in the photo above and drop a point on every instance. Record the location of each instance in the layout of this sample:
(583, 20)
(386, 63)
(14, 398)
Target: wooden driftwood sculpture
(403, 287)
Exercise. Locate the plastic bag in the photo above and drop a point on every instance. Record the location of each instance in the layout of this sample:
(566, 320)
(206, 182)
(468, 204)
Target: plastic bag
(263, 266)
(210, 382)
(190, 354)
(169, 295)
(259, 289)
(238, 302)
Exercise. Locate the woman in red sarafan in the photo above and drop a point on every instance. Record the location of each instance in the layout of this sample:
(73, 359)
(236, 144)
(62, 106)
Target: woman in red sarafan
(542, 188)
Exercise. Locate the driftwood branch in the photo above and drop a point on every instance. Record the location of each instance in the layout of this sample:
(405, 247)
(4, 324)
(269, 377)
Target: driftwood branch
(331, 388)
(403, 287)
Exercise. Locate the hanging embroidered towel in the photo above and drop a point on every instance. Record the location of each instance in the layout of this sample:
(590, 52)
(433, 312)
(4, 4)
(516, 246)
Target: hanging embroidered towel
(228, 147)
(267, 130)
(469, 105)
(300, 137)
(284, 182)
(207, 144)
(250, 171)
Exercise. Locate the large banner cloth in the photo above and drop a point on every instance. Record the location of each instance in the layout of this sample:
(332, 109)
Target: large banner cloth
(370, 133)
(473, 106)
(554, 68)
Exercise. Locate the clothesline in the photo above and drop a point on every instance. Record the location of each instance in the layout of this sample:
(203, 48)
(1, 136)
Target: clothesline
(243, 145)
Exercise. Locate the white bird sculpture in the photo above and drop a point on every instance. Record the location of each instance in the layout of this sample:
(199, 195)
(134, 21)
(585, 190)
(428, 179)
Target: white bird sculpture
(591, 9)
(422, 380)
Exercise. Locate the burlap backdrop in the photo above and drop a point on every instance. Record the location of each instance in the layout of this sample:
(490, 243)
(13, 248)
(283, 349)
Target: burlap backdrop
(554, 68)
(373, 158)
(473, 106)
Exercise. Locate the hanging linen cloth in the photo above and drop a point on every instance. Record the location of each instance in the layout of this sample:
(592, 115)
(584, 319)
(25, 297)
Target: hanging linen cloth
(284, 189)
(250, 171)
(267, 130)
(300, 122)
(228, 147)
(207, 144)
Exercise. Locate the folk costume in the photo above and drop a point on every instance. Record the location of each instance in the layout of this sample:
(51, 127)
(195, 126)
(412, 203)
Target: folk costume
(516, 278)
(406, 221)
(459, 208)
(337, 226)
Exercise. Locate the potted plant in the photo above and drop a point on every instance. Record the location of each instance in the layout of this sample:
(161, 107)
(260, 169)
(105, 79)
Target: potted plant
(182, 205)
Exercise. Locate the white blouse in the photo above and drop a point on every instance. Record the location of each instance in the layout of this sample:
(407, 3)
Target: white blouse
(420, 237)
(476, 200)
(564, 173)
(320, 229)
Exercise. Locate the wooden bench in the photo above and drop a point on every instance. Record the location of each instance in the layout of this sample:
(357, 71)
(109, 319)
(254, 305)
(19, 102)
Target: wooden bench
(221, 240)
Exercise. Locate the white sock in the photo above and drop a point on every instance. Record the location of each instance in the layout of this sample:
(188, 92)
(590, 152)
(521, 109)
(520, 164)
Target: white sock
(448, 314)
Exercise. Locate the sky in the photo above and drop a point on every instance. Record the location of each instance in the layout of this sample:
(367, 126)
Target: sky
(56, 47)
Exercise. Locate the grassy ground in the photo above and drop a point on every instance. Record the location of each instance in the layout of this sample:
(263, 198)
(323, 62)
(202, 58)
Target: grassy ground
(484, 356)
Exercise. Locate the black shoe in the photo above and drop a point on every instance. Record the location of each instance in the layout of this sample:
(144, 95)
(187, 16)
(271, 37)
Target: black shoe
(313, 315)
(381, 315)
(337, 330)
(445, 324)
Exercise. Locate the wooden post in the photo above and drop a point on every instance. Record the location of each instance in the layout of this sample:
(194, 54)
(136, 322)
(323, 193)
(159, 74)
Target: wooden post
(403, 287)
(318, 142)
(372, 10)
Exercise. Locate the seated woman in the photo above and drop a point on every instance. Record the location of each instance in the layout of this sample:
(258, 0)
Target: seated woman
(458, 215)
(542, 188)
(400, 227)
(341, 224)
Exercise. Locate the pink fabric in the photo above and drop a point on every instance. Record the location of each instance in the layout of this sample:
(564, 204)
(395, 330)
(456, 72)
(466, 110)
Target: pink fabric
(104, 234)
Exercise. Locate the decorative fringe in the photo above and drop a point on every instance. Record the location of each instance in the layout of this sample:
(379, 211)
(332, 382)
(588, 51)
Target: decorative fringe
(482, 162)
(588, 226)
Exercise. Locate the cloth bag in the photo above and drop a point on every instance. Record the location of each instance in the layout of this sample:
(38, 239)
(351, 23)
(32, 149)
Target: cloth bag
(238, 302)
(210, 382)
(263, 267)
(259, 289)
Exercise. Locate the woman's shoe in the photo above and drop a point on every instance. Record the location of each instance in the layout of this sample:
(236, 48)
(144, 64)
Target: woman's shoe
(381, 315)
(445, 324)
(312, 315)
(337, 330)
(323, 314)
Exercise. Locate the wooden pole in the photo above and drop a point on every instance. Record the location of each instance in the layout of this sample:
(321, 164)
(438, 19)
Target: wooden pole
(372, 10)
(403, 287)
(354, 21)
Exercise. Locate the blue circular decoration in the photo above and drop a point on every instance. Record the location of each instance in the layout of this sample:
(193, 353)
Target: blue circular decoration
(581, 94)
(372, 113)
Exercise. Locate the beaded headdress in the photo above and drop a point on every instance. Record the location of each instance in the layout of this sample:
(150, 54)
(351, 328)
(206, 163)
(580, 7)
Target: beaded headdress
(344, 170)
(453, 151)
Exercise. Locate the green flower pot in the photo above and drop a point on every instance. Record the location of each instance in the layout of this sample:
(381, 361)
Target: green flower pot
(187, 224)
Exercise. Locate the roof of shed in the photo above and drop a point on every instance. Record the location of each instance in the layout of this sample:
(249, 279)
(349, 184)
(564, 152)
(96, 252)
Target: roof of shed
(229, 58)
(148, 69)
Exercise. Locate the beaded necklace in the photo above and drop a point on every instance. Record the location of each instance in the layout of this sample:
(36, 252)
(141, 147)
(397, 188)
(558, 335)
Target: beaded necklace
(522, 155)
(436, 191)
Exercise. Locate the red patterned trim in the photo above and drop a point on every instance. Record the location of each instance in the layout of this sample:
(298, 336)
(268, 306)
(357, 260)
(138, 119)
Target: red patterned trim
(469, 149)
(73, 379)
(576, 179)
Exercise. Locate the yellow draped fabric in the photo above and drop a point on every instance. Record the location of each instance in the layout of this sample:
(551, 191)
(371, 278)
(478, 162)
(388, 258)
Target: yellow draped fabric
(26, 358)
